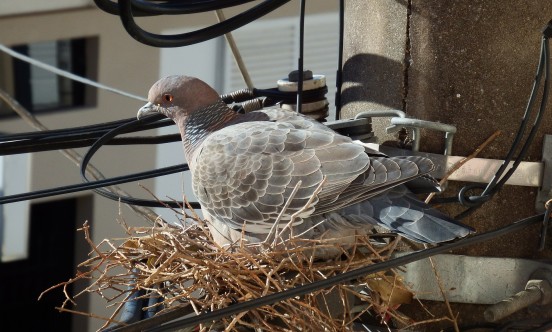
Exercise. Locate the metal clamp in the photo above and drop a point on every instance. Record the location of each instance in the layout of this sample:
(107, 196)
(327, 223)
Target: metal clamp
(416, 125)
(399, 119)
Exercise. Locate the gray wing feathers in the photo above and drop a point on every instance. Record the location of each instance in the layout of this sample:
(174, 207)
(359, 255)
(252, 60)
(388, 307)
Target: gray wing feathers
(246, 172)
(400, 211)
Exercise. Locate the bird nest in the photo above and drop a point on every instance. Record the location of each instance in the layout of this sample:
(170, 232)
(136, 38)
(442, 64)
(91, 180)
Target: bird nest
(185, 269)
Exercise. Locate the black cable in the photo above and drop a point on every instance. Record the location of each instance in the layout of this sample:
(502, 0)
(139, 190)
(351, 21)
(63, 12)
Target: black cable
(155, 322)
(148, 8)
(300, 76)
(546, 327)
(178, 40)
(86, 136)
(47, 133)
(98, 184)
(125, 199)
(530, 324)
(183, 7)
(61, 143)
(491, 187)
(536, 124)
(339, 74)
(499, 179)
(79, 137)
(473, 202)
(58, 142)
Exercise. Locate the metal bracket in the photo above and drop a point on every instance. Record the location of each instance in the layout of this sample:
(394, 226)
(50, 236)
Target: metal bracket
(416, 125)
(359, 128)
(399, 120)
(478, 170)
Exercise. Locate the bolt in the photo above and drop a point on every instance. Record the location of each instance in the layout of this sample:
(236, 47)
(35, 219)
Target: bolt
(294, 76)
(537, 291)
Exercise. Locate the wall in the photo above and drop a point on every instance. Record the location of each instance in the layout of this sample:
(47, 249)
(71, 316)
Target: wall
(470, 64)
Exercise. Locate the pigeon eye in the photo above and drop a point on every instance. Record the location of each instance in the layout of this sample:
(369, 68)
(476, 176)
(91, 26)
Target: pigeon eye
(168, 97)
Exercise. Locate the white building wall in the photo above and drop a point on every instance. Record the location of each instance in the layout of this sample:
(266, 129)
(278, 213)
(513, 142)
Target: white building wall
(14, 217)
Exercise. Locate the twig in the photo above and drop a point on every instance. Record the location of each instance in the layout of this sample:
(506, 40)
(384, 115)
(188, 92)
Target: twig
(274, 228)
(191, 270)
(87, 314)
(453, 169)
(442, 290)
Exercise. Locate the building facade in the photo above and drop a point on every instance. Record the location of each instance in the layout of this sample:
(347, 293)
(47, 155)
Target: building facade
(41, 246)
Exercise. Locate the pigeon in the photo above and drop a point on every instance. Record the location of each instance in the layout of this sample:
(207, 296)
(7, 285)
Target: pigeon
(277, 174)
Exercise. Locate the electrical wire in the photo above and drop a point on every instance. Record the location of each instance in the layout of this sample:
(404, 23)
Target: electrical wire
(60, 143)
(101, 183)
(473, 202)
(86, 135)
(131, 200)
(150, 8)
(67, 74)
(300, 74)
(339, 74)
(125, 10)
(49, 140)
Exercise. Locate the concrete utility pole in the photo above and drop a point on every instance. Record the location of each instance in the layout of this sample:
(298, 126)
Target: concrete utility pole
(466, 63)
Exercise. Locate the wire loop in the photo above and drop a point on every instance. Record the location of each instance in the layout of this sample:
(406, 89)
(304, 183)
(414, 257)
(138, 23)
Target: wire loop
(472, 201)
(545, 224)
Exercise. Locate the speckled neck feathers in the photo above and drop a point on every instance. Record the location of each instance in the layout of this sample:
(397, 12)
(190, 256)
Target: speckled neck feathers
(200, 123)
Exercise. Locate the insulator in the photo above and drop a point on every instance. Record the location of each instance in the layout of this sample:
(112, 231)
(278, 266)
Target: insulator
(317, 109)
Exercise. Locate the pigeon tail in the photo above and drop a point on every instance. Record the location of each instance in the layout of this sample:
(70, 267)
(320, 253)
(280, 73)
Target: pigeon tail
(400, 211)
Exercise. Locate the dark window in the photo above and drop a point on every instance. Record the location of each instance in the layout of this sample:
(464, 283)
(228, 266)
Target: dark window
(40, 90)
(52, 257)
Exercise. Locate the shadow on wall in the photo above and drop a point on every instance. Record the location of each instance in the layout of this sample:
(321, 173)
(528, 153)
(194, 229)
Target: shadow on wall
(374, 79)
(374, 82)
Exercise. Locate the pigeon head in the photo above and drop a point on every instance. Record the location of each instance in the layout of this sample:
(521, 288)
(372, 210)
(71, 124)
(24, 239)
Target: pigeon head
(178, 96)
(194, 106)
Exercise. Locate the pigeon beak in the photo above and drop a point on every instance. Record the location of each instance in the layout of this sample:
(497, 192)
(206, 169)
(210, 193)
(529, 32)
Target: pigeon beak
(147, 109)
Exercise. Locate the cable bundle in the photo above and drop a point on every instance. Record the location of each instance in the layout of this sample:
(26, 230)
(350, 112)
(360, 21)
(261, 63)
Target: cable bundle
(128, 9)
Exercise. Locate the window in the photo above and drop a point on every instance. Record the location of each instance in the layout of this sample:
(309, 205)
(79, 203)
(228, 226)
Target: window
(40, 90)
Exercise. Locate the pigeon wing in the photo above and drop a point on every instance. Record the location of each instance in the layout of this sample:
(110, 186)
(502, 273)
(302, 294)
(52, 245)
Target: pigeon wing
(246, 172)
